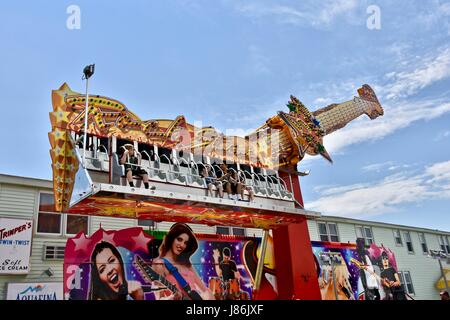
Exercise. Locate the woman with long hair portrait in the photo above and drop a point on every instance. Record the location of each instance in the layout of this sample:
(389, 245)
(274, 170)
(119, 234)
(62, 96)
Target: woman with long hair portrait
(173, 263)
(108, 281)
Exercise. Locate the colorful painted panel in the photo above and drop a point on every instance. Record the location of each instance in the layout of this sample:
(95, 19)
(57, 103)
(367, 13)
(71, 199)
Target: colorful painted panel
(188, 212)
(136, 265)
(350, 272)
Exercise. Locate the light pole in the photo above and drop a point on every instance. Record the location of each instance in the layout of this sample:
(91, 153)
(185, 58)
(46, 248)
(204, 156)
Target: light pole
(88, 71)
(440, 255)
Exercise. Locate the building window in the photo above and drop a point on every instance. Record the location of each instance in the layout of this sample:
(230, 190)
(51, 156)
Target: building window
(328, 232)
(53, 252)
(48, 221)
(443, 243)
(398, 238)
(406, 280)
(229, 231)
(76, 224)
(423, 242)
(223, 230)
(147, 224)
(366, 233)
(239, 232)
(408, 242)
(51, 222)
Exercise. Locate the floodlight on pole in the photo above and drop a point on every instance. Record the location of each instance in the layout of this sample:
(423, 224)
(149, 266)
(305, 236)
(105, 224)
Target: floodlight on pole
(88, 71)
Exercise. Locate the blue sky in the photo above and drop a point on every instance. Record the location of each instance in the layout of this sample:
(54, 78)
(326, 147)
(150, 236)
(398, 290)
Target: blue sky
(233, 64)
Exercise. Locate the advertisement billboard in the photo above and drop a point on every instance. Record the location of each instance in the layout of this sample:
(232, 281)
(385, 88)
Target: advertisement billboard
(35, 291)
(15, 245)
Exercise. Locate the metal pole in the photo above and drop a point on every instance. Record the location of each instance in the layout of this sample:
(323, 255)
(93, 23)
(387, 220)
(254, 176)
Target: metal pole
(86, 114)
(443, 274)
(260, 267)
(290, 182)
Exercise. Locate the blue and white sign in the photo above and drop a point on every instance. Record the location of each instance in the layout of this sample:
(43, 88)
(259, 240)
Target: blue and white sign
(35, 291)
(15, 245)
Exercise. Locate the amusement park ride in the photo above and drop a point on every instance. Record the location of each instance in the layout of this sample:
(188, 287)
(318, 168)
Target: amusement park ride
(173, 151)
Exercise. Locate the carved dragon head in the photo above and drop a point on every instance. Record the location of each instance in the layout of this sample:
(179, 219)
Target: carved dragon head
(371, 105)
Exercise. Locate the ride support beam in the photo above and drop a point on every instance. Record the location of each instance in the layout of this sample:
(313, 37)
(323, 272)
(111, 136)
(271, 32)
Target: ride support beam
(294, 261)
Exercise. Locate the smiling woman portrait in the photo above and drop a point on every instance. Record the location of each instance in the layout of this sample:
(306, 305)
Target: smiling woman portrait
(108, 281)
(173, 263)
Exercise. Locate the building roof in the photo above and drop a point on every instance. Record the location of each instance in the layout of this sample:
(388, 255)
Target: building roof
(379, 224)
(26, 181)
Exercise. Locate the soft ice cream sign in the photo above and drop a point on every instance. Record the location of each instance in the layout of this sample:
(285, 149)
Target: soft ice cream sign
(35, 291)
(15, 245)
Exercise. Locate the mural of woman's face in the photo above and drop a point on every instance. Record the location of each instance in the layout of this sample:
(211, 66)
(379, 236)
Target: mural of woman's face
(109, 269)
(180, 243)
(385, 262)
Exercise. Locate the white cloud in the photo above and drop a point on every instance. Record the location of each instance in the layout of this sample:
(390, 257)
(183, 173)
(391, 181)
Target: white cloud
(290, 15)
(336, 8)
(439, 172)
(395, 118)
(336, 92)
(442, 135)
(315, 14)
(385, 166)
(369, 199)
(341, 189)
(377, 166)
(402, 166)
(399, 112)
(434, 68)
(323, 101)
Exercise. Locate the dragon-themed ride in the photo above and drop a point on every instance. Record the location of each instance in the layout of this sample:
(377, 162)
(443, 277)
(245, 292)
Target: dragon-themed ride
(280, 143)
(173, 152)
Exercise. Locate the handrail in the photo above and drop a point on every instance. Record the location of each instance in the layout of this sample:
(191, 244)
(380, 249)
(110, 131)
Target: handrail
(157, 158)
(212, 168)
(175, 161)
(170, 162)
(270, 178)
(148, 156)
(273, 186)
(256, 175)
(183, 160)
(106, 150)
(283, 183)
(249, 174)
(240, 173)
(264, 177)
(221, 171)
(196, 164)
(191, 165)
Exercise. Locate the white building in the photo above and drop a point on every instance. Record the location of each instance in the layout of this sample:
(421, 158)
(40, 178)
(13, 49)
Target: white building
(28, 198)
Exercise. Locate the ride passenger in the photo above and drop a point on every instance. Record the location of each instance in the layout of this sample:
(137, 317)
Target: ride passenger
(132, 161)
